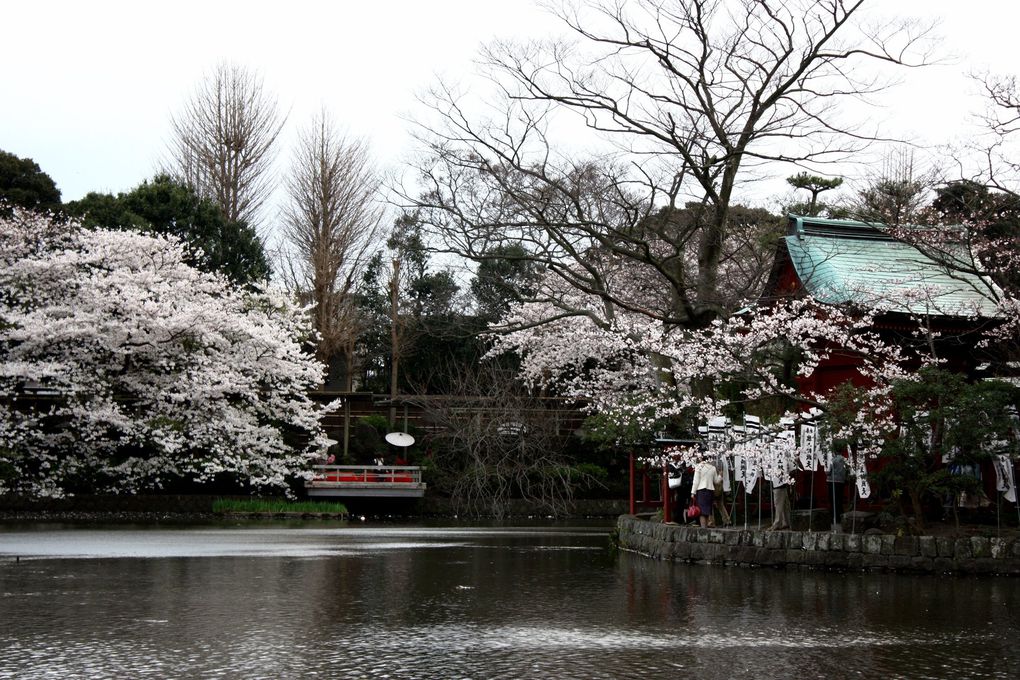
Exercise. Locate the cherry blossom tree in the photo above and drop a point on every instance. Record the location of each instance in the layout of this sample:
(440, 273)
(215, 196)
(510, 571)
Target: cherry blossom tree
(644, 254)
(123, 368)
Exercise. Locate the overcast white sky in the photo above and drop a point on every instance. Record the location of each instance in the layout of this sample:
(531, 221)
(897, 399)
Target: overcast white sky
(88, 87)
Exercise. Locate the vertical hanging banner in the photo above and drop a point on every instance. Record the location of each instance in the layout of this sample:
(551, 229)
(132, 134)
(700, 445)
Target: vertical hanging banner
(752, 460)
(861, 473)
(716, 434)
(718, 443)
(823, 455)
(1004, 480)
(809, 446)
(750, 474)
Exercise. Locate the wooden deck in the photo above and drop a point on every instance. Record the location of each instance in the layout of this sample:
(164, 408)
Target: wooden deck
(371, 481)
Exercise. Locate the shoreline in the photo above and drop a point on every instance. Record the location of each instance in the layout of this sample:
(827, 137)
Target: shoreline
(820, 550)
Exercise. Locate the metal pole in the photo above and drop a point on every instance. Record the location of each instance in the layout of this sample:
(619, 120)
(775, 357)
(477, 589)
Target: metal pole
(347, 426)
(665, 493)
(760, 483)
(853, 522)
(745, 506)
(811, 503)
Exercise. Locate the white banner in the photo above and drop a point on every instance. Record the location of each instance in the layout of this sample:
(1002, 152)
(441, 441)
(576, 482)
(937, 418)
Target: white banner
(809, 446)
(750, 475)
(1004, 480)
(863, 488)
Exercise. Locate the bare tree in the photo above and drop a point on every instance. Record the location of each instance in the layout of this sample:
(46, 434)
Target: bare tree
(697, 96)
(224, 141)
(496, 442)
(331, 227)
(897, 194)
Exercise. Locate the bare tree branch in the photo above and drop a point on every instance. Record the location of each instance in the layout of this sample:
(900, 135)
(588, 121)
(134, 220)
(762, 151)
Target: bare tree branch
(693, 93)
(331, 228)
(224, 141)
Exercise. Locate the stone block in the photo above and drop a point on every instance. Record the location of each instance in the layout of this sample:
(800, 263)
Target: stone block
(809, 541)
(697, 552)
(681, 551)
(888, 544)
(712, 553)
(794, 557)
(927, 546)
(872, 545)
(963, 549)
(731, 538)
(905, 545)
(946, 546)
(822, 541)
(921, 564)
(944, 565)
(852, 542)
(874, 560)
(983, 565)
(716, 536)
(775, 540)
(795, 540)
(900, 562)
(855, 560)
(758, 539)
(980, 547)
(1000, 547)
(768, 558)
(814, 558)
(744, 554)
(837, 542)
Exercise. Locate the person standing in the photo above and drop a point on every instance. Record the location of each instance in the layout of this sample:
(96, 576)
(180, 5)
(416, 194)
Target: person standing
(836, 475)
(703, 489)
(719, 499)
(781, 495)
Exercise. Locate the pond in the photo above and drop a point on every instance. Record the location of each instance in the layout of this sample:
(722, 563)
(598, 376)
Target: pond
(308, 600)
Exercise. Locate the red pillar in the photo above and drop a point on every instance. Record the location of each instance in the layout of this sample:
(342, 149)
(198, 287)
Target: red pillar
(632, 508)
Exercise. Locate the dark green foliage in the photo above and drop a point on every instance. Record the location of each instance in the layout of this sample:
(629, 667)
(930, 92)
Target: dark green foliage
(437, 338)
(166, 207)
(505, 276)
(947, 424)
(992, 215)
(815, 185)
(24, 184)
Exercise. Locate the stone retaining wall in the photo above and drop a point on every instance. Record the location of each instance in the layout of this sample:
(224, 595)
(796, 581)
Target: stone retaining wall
(880, 552)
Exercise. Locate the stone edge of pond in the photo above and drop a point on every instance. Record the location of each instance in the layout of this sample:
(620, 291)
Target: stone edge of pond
(819, 550)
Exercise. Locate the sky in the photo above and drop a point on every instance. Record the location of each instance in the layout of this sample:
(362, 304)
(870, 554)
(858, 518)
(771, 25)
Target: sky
(88, 87)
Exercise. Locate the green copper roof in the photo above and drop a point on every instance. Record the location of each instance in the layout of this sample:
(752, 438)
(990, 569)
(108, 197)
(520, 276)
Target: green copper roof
(841, 261)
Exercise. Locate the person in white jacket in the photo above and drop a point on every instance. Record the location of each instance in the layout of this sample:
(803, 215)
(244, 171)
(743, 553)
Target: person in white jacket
(703, 489)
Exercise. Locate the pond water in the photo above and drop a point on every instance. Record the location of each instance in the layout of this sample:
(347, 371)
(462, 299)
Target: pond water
(310, 600)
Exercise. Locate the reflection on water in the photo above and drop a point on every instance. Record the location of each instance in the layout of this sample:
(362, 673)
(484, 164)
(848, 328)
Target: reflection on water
(418, 602)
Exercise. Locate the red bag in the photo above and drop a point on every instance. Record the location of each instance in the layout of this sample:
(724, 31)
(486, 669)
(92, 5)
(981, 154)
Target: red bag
(693, 511)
